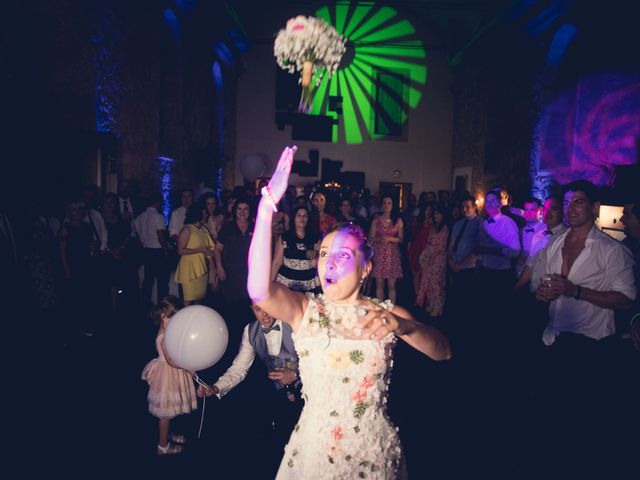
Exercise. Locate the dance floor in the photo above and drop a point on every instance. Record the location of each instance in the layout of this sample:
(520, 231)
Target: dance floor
(86, 417)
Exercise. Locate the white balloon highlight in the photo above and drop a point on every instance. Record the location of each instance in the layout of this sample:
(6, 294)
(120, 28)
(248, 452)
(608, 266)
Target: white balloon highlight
(196, 337)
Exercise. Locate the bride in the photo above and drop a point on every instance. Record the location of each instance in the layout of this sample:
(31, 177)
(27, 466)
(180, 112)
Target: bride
(344, 343)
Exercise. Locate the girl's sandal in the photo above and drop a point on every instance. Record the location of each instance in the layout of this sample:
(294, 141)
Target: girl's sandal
(169, 449)
(179, 439)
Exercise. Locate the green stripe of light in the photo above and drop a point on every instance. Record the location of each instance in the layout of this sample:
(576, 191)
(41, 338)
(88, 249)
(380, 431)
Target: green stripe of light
(319, 96)
(381, 16)
(382, 41)
(324, 14)
(333, 90)
(418, 72)
(391, 99)
(362, 100)
(358, 14)
(341, 16)
(396, 30)
(363, 78)
(363, 74)
(402, 51)
(351, 128)
(413, 95)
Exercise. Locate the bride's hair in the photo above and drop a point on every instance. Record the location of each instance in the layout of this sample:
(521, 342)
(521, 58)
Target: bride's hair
(364, 245)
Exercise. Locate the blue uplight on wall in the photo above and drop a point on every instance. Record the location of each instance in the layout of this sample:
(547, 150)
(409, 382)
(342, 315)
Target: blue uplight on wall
(559, 44)
(106, 37)
(239, 40)
(185, 4)
(172, 20)
(223, 52)
(545, 19)
(164, 167)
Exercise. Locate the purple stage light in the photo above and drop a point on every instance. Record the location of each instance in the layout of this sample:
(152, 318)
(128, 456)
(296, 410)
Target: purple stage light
(587, 131)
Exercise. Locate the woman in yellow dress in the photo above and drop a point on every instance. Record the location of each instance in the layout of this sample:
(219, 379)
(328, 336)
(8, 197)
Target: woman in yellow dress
(195, 247)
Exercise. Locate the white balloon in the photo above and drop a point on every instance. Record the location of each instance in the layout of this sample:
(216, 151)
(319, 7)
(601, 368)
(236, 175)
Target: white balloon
(196, 337)
(254, 165)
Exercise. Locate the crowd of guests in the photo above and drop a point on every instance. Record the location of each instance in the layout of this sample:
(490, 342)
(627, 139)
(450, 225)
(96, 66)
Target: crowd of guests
(539, 292)
(439, 247)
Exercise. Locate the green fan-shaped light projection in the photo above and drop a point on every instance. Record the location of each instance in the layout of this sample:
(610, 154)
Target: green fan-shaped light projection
(380, 77)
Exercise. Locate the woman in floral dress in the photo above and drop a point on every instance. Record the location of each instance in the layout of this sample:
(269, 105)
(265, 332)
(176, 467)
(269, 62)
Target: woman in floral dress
(387, 235)
(344, 343)
(433, 264)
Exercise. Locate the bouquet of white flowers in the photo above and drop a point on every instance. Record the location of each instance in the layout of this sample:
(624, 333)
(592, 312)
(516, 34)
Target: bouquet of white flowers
(311, 46)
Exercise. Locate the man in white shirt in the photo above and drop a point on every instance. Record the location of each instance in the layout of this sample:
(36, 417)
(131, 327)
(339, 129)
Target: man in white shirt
(492, 331)
(527, 232)
(588, 275)
(498, 241)
(532, 315)
(631, 221)
(271, 341)
(176, 221)
(150, 229)
(553, 219)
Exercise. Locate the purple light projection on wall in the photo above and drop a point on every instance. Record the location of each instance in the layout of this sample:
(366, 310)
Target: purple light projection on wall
(586, 131)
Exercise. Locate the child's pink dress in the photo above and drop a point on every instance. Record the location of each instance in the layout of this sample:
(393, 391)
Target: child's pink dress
(171, 390)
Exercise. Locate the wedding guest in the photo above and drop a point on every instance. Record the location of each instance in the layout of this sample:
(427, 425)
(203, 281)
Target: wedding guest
(176, 222)
(347, 213)
(462, 262)
(270, 340)
(588, 275)
(498, 244)
(421, 228)
(631, 221)
(171, 390)
(119, 270)
(125, 202)
(195, 248)
(230, 256)
(294, 258)
(77, 244)
(213, 221)
(320, 219)
(433, 263)
(553, 221)
(531, 215)
(387, 232)
(150, 229)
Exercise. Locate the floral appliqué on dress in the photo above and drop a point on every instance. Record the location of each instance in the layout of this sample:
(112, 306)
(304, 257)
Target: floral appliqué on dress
(344, 431)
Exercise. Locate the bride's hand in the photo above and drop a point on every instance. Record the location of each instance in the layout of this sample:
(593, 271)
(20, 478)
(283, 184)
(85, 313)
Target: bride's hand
(280, 178)
(377, 322)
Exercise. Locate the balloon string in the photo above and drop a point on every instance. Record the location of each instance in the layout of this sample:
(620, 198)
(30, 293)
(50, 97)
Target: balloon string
(204, 401)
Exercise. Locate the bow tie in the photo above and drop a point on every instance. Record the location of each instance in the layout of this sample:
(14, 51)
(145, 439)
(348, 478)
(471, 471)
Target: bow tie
(490, 220)
(272, 327)
(529, 229)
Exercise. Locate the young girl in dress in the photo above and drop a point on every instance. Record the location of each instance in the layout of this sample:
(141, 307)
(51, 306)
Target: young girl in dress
(171, 390)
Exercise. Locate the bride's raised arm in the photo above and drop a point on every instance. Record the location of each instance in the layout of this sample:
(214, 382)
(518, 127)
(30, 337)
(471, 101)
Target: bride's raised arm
(273, 297)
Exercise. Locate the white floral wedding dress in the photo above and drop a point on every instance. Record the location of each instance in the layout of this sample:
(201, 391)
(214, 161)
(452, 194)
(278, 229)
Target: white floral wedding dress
(343, 431)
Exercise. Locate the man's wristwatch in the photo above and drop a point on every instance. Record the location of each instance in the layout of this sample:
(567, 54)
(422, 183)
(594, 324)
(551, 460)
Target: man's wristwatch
(578, 292)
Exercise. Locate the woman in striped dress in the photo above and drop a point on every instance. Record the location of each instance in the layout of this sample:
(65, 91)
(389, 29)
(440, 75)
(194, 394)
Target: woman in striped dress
(294, 263)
